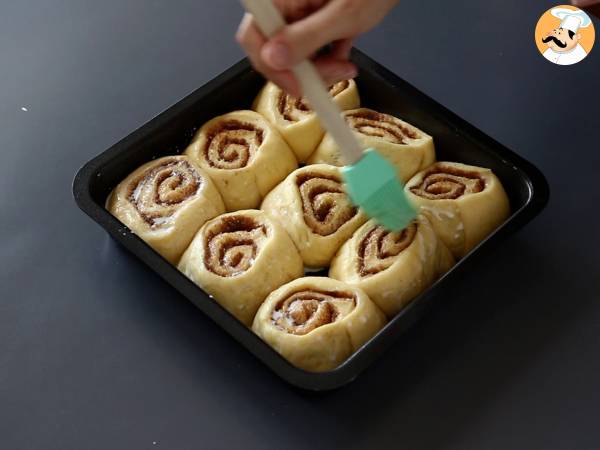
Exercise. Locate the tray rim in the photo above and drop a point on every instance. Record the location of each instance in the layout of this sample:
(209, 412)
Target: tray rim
(538, 198)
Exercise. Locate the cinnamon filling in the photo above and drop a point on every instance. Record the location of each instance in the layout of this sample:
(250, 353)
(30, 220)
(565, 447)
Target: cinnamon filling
(232, 144)
(446, 182)
(379, 248)
(232, 244)
(159, 192)
(325, 205)
(305, 311)
(292, 109)
(384, 126)
(295, 109)
(339, 87)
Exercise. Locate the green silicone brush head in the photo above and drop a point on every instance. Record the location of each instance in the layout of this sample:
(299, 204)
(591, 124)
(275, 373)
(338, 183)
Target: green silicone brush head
(373, 185)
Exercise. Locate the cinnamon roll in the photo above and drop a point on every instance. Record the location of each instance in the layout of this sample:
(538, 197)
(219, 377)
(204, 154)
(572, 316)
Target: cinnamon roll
(392, 267)
(316, 323)
(295, 120)
(239, 258)
(165, 202)
(406, 147)
(464, 203)
(244, 155)
(312, 205)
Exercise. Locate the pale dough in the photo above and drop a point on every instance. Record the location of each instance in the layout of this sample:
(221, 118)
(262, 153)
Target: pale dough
(295, 120)
(405, 146)
(239, 258)
(316, 323)
(464, 203)
(316, 212)
(392, 268)
(165, 202)
(244, 155)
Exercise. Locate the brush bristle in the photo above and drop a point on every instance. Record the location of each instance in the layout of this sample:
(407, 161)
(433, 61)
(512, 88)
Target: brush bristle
(373, 185)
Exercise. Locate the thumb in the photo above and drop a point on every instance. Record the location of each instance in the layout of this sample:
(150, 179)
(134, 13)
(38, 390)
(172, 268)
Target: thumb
(301, 40)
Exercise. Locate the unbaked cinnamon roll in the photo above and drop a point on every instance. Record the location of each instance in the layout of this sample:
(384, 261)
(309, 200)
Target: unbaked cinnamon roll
(312, 205)
(316, 323)
(239, 258)
(295, 120)
(405, 146)
(392, 267)
(165, 202)
(464, 203)
(244, 155)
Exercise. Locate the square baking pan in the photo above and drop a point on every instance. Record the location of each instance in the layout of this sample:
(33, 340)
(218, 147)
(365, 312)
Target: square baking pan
(379, 89)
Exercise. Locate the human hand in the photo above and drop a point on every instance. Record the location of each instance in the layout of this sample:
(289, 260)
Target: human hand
(312, 24)
(592, 6)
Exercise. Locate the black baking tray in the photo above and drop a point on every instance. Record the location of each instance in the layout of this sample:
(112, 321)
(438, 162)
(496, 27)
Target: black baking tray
(171, 131)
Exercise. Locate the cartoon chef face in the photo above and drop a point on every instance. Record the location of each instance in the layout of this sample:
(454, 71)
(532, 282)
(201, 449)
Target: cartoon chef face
(561, 40)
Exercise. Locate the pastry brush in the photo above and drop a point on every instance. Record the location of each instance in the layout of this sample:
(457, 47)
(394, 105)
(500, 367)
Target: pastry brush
(371, 180)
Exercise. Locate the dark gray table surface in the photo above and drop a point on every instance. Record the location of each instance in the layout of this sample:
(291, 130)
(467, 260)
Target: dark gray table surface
(96, 352)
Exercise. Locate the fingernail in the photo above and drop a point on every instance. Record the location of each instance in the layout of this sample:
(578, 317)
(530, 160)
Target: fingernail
(276, 55)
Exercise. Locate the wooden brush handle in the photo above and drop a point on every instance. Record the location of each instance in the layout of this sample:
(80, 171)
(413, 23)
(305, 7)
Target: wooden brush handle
(270, 21)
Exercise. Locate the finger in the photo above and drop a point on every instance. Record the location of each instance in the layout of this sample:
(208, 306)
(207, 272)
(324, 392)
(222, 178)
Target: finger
(584, 3)
(293, 10)
(252, 40)
(301, 39)
(591, 6)
(286, 81)
(341, 49)
(333, 70)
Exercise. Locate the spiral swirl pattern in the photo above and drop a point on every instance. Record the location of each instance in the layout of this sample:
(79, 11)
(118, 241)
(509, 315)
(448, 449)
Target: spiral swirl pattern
(339, 87)
(305, 311)
(384, 126)
(159, 192)
(232, 244)
(295, 109)
(232, 144)
(379, 248)
(325, 205)
(448, 183)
